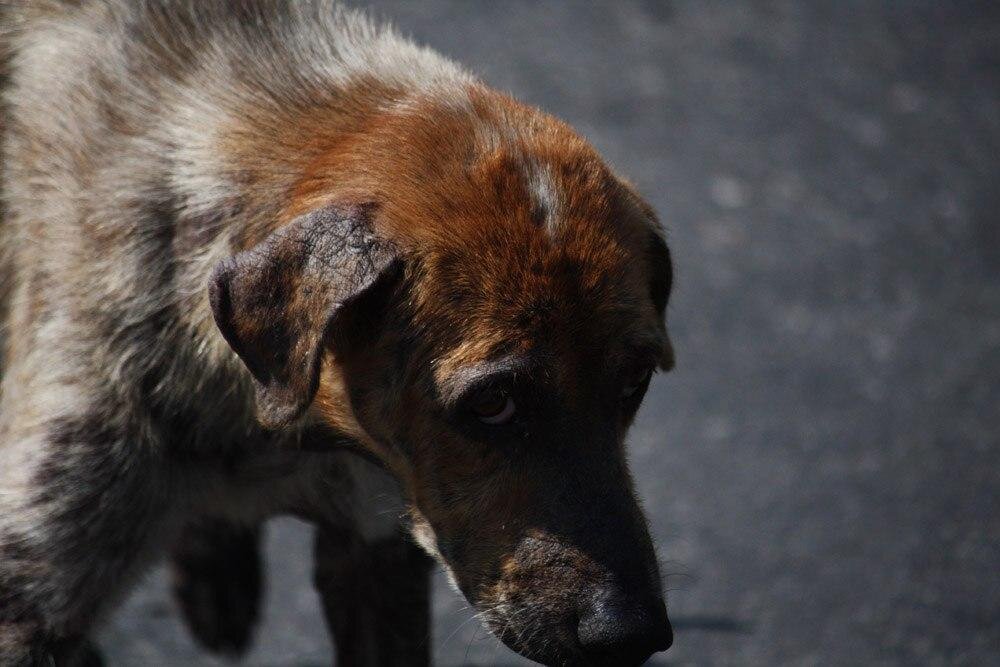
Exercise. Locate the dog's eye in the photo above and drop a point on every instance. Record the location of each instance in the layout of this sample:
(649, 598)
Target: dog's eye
(494, 408)
(637, 380)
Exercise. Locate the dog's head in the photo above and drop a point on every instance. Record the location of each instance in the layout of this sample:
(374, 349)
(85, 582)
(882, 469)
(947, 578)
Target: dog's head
(474, 296)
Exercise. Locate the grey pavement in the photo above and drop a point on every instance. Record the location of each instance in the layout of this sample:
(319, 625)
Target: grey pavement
(822, 470)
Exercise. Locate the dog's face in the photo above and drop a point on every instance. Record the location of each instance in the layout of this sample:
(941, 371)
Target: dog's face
(502, 317)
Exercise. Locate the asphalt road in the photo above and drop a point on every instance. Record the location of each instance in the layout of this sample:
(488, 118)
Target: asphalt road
(822, 471)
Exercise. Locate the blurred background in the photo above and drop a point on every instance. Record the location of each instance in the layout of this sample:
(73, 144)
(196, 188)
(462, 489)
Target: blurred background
(822, 470)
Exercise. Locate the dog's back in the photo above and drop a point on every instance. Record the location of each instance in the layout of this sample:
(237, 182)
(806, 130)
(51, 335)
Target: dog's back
(121, 194)
(6, 36)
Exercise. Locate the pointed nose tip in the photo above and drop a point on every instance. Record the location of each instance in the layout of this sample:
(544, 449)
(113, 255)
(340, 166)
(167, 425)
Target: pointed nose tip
(620, 633)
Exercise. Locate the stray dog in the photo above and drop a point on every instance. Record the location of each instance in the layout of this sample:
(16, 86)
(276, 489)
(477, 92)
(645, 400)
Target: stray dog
(266, 257)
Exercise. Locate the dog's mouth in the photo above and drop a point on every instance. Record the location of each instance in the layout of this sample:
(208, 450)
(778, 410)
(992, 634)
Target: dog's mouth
(523, 631)
(570, 587)
(549, 637)
(559, 643)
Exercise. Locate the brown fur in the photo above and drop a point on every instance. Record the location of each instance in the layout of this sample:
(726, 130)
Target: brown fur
(232, 273)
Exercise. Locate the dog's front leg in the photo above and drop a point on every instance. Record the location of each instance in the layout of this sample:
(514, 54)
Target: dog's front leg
(217, 571)
(376, 597)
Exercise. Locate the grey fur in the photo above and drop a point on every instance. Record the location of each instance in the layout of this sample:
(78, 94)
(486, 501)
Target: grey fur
(124, 415)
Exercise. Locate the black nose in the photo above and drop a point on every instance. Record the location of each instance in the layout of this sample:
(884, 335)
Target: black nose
(622, 632)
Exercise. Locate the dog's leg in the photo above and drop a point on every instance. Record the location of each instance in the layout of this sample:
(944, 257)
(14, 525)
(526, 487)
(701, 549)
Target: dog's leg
(376, 598)
(216, 569)
(80, 510)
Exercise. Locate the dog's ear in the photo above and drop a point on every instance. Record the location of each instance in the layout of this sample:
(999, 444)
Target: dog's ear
(276, 302)
(660, 283)
(661, 268)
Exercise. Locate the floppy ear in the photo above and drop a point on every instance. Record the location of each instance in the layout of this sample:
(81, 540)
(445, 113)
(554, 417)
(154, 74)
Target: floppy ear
(661, 268)
(275, 303)
(661, 281)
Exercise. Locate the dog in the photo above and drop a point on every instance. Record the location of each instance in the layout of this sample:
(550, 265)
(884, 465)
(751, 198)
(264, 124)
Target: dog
(267, 257)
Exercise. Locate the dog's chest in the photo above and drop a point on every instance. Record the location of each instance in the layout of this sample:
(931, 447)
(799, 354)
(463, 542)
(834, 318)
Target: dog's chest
(329, 487)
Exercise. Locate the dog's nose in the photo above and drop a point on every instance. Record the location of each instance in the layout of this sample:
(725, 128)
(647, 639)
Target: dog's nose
(621, 632)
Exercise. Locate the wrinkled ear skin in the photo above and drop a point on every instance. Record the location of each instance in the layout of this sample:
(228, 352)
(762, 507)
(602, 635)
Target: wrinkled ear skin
(660, 285)
(275, 303)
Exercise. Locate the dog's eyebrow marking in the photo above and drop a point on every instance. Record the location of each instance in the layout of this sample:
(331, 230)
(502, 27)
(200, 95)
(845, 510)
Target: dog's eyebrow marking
(546, 196)
(644, 341)
(466, 378)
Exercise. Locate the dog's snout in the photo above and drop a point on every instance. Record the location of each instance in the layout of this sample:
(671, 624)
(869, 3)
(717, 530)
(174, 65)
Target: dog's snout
(624, 632)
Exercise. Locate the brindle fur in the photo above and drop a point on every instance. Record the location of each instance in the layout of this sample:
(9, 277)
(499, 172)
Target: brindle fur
(255, 254)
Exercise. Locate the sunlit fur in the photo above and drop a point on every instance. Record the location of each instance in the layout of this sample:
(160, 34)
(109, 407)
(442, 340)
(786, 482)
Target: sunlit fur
(147, 141)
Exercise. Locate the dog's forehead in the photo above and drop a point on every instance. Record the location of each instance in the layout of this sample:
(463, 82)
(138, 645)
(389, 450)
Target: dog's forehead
(524, 235)
(515, 226)
(484, 160)
(509, 182)
(553, 260)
